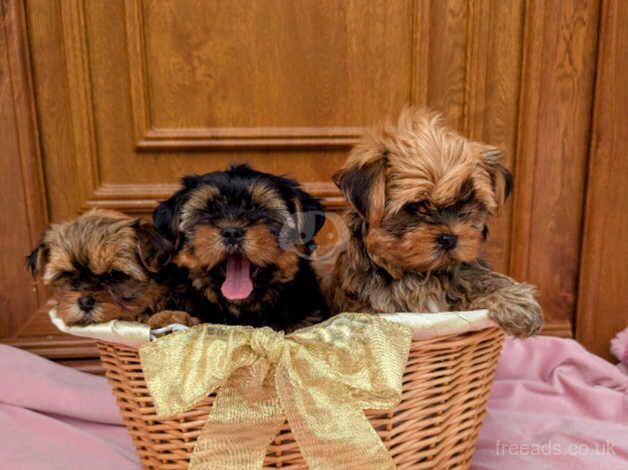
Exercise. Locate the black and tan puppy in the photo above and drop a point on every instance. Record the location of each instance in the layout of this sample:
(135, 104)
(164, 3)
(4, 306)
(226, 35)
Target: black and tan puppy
(246, 237)
(105, 265)
(420, 198)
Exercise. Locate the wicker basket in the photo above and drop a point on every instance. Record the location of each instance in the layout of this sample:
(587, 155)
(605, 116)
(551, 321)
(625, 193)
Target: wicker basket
(445, 389)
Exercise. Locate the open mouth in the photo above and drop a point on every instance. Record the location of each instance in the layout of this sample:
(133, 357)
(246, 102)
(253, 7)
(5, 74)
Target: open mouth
(238, 284)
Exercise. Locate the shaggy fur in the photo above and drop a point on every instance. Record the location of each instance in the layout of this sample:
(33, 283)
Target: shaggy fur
(420, 197)
(274, 221)
(105, 265)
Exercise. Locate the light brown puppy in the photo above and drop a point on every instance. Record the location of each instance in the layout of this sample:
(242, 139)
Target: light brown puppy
(105, 265)
(420, 197)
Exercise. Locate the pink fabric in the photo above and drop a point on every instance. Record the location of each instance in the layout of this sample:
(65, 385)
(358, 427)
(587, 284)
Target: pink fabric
(553, 406)
(619, 347)
(53, 417)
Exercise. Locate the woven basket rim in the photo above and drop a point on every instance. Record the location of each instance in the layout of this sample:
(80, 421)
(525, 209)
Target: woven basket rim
(425, 325)
(431, 340)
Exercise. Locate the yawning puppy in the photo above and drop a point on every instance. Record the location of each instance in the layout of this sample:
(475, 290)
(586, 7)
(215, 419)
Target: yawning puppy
(420, 198)
(246, 238)
(105, 265)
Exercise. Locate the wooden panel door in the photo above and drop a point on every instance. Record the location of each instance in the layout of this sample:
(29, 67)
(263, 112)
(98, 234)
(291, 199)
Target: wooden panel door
(131, 94)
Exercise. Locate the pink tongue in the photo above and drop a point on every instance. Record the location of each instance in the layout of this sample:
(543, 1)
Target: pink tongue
(238, 284)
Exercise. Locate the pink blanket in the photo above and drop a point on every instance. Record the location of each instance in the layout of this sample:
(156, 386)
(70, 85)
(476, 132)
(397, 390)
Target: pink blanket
(55, 417)
(553, 406)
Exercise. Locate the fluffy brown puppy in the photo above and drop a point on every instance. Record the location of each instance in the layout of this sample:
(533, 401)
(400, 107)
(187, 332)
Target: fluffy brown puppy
(105, 265)
(246, 237)
(420, 197)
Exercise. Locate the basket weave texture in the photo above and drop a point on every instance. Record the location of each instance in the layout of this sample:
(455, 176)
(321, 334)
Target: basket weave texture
(446, 386)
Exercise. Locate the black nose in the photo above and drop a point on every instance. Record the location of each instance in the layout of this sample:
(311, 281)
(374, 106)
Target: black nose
(447, 241)
(86, 303)
(232, 234)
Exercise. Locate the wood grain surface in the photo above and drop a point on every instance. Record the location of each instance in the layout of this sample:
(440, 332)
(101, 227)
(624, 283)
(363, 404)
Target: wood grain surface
(128, 95)
(602, 300)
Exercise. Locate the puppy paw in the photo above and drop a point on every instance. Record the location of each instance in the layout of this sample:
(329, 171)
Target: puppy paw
(168, 317)
(517, 320)
(515, 309)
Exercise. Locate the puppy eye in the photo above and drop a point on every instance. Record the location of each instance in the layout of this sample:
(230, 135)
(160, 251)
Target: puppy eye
(118, 276)
(62, 276)
(416, 208)
(67, 278)
(420, 210)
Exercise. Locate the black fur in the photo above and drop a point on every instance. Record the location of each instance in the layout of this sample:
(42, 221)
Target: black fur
(38, 258)
(272, 303)
(356, 185)
(283, 304)
(155, 252)
(31, 260)
(508, 182)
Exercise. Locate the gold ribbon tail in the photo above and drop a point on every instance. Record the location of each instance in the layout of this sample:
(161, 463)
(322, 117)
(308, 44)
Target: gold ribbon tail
(245, 417)
(332, 432)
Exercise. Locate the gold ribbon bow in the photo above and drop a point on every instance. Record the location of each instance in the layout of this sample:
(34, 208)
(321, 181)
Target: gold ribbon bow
(320, 379)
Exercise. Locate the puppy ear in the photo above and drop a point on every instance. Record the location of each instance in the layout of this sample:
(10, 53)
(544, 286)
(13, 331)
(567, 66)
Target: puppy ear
(364, 186)
(166, 214)
(191, 181)
(38, 259)
(166, 220)
(154, 251)
(501, 178)
(309, 217)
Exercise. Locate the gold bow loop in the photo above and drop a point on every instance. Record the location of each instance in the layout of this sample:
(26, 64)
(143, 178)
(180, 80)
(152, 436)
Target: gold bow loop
(319, 378)
(268, 343)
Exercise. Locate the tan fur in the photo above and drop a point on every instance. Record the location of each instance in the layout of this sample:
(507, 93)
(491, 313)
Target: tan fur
(260, 246)
(207, 247)
(420, 181)
(168, 317)
(266, 196)
(99, 241)
(198, 200)
(446, 161)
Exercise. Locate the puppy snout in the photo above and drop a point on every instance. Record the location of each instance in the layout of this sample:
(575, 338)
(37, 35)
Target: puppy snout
(86, 303)
(232, 235)
(447, 241)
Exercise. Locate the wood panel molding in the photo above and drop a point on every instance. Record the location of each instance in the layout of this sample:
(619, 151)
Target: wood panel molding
(602, 306)
(57, 347)
(420, 53)
(141, 199)
(79, 85)
(554, 123)
(25, 117)
(149, 137)
(22, 187)
(479, 22)
(562, 329)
